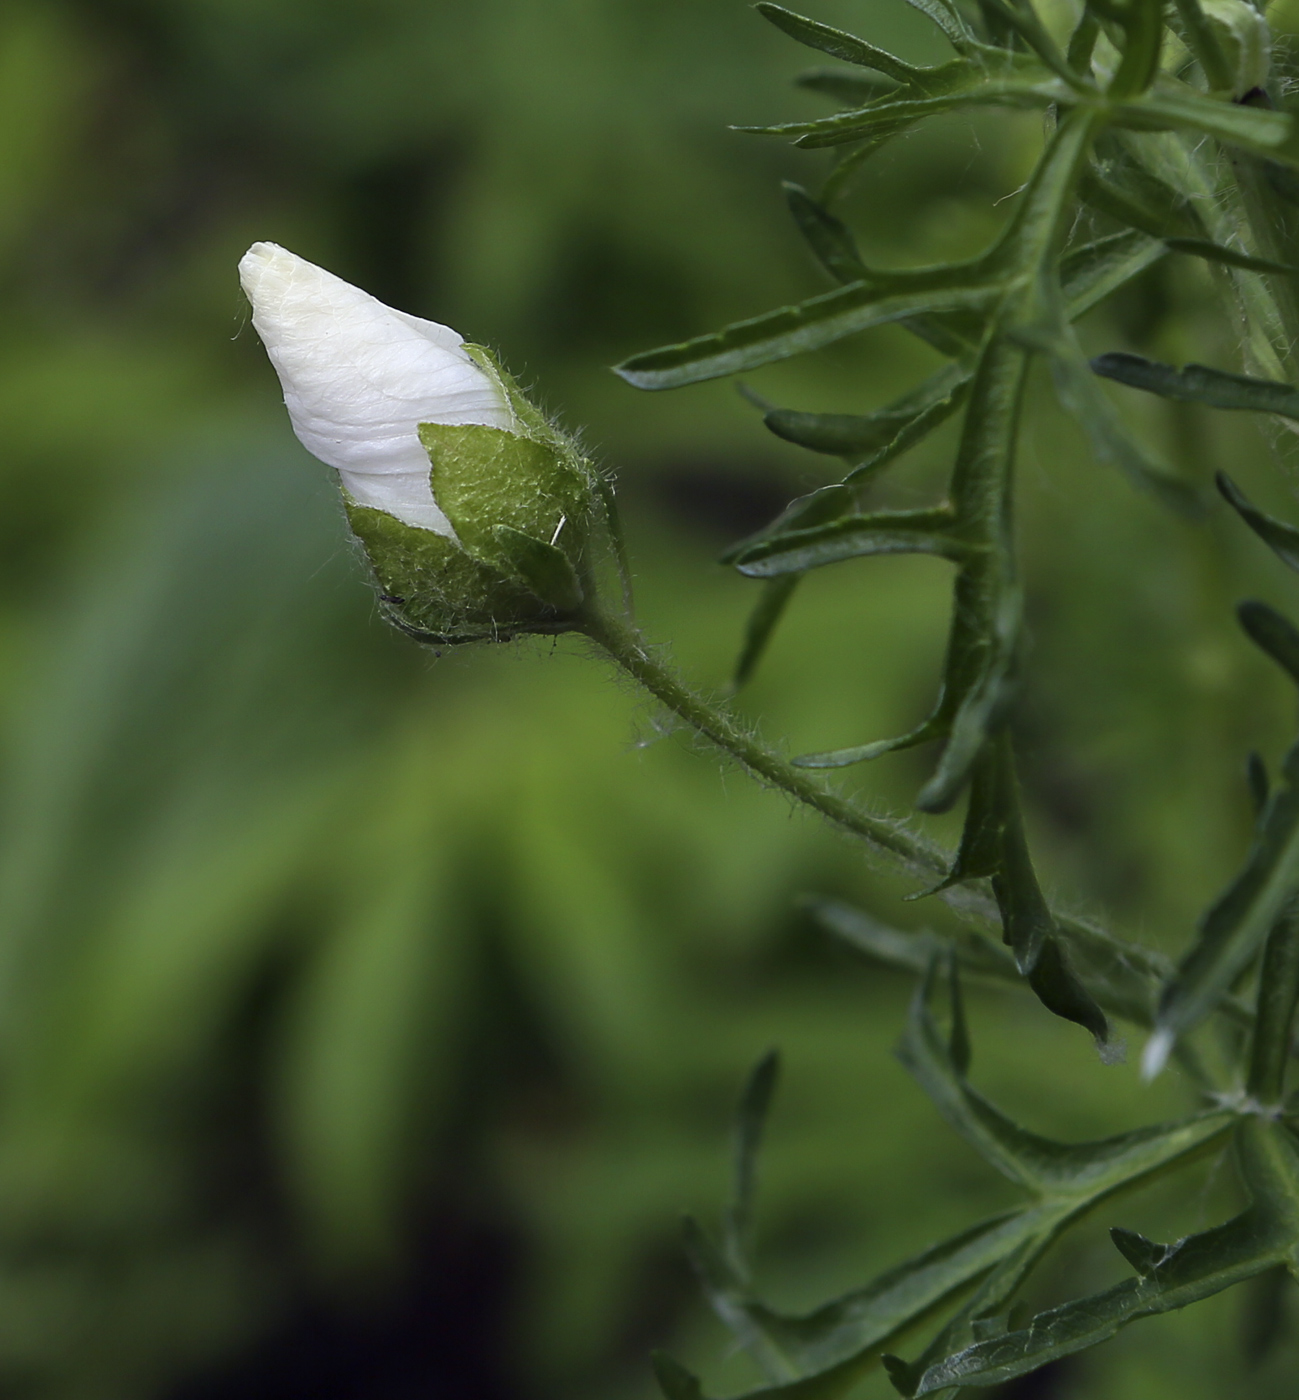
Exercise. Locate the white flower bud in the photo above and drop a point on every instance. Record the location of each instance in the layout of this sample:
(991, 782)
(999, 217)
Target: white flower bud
(359, 378)
(474, 510)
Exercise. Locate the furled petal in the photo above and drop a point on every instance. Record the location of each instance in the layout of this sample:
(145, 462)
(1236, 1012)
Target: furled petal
(359, 378)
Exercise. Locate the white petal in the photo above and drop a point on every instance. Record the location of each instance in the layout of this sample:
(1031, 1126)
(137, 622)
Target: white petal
(359, 378)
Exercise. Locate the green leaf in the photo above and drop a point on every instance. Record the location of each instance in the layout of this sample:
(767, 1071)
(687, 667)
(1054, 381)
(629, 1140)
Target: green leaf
(1075, 1173)
(884, 532)
(1273, 633)
(1195, 1268)
(1230, 257)
(750, 1120)
(932, 728)
(962, 85)
(950, 20)
(546, 570)
(875, 436)
(832, 243)
(852, 89)
(1088, 274)
(859, 1326)
(761, 626)
(836, 42)
(1278, 991)
(1234, 928)
(910, 952)
(828, 237)
(1281, 538)
(983, 833)
(811, 324)
(981, 708)
(1257, 780)
(1035, 35)
(1173, 106)
(1142, 22)
(818, 507)
(1141, 200)
(1079, 393)
(1169, 1277)
(1200, 384)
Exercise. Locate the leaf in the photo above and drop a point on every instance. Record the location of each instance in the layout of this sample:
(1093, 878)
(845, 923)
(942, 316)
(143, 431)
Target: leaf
(932, 728)
(750, 1120)
(1257, 779)
(1197, 1267)
(818, 507)
(1281, 538)
(870, 436)
(1035, 35)
(1169, 1277)
(827, 236)
(1278, 991)
(1055, 1171)
(1234, 928)
(852, 89)
(1199, 384)
(835, 248)
(761, 626)
(1273, 633)
(811, 324)
(950, 20)
(966, 85)
(1088, 274)
(1141, 200)
(1080, 395)
(982, 706)
(884, 532)
(836, 42)
(545, 568)
(1230, 257)
(1173, 106)
(910, 952)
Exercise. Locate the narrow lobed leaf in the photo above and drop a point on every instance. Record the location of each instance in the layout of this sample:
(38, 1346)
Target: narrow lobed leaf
(1199, 384)
(1281, 538)
(884, 532)
(811, 324)
(835, 42)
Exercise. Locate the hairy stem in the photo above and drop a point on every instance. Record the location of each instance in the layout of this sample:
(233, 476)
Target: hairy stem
(905, 847)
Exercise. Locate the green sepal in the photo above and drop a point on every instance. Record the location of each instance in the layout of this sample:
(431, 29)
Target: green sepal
(546, 569)
(436, 591)
(485, 477)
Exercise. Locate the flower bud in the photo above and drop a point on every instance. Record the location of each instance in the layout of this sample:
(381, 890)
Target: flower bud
(475, 511)
(1245, 40)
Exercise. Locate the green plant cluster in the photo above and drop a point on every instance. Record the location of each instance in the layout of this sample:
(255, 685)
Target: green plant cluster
(1129, 93)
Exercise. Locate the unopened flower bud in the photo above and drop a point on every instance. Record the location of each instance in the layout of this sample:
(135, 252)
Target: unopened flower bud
(1245, 40)
(474, 510)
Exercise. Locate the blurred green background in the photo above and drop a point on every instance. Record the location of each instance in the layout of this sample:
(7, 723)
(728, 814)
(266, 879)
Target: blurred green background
(367, 1019)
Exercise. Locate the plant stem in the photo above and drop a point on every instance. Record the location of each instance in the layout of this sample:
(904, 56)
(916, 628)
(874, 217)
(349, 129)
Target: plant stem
(918, 856)
(1129, 972)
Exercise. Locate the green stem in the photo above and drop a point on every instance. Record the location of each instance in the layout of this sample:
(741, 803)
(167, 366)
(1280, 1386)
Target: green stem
(1278, 992)
(624, 644)
(1126, 967)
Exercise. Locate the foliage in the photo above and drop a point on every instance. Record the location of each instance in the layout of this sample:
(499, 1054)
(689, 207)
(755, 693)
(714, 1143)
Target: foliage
(1129, 94)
